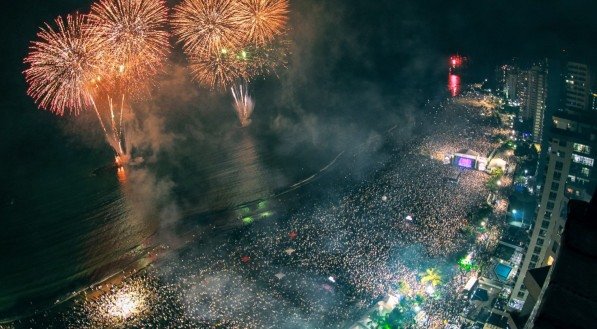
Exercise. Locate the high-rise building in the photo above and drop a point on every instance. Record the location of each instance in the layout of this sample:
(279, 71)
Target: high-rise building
(577, 83)
(563, 295)
(537, 96)
(506, 76)
(569, 172)
(522, 90)
(531, 94)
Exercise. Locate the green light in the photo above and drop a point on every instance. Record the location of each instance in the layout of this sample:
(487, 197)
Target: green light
(262, 205)
(265, 214)
(466, 264)
(248, 220)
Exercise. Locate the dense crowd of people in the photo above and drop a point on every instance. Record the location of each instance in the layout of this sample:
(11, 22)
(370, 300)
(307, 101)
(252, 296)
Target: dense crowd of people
(327, 264)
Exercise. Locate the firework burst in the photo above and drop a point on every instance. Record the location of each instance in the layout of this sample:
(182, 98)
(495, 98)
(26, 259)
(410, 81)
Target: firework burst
(207, 26)
(217, 70)
(263, 20)
(62, 65)
(133, 33)
(261, 60)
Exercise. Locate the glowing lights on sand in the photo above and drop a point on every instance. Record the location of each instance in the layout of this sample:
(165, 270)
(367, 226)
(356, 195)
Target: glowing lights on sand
(124, 305)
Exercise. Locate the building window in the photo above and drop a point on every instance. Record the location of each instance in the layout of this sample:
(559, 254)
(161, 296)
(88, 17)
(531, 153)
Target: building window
(555, 186)
(580, 148)
(554, 247)
(582, 160)
(540, 242)
(550, 260)
(547, 215)
(585, 171)
(545, 225)
(534, 259)
(557, 175)
(552, 196)
(550, 205)
(559, 165)
(537, 250)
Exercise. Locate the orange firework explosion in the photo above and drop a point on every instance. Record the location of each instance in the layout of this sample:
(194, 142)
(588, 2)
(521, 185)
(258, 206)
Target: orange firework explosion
(62, 64)
(134, 36)
(263, 20)
(207, 26)
(260, 60)
(216, 69)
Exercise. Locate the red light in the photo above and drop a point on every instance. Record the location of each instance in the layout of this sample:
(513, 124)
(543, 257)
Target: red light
(454, 85)
(456, 61)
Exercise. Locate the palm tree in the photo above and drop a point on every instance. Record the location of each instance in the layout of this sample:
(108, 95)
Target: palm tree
(431, 276)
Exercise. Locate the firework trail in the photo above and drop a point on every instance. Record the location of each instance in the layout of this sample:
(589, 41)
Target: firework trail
(98, 61)
(62, 65)
(243, 104)
(65, 68)
(228, 40)
(206, 27)
(134, 48)
(263, 20)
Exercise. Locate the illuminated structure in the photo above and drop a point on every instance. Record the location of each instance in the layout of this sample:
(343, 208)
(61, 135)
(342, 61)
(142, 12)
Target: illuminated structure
(506, 76)
(563, 295)
(537, 96)
(569, 174)
(577, 84)
(468, 159)
(531, 94)
(568, 295)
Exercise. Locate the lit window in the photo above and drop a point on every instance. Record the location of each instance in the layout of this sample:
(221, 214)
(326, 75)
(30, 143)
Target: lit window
(580, 148)
(582, 160)
(549, 260)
